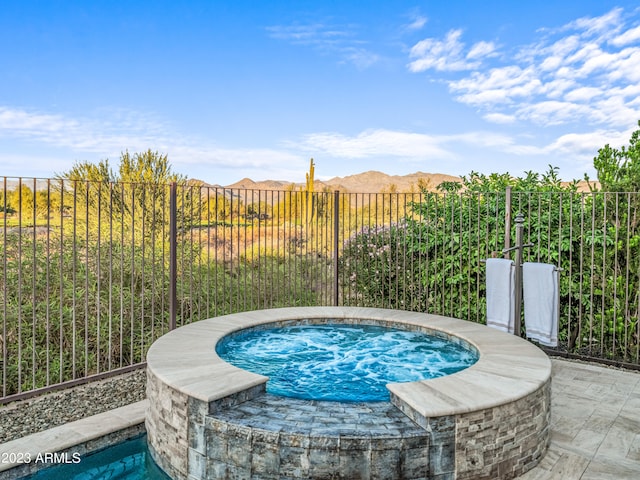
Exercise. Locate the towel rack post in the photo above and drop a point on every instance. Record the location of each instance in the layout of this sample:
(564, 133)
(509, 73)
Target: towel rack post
(518, 273)
(518, 247)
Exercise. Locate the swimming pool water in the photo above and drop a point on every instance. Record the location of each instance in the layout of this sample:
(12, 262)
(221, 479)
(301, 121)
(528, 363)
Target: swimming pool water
(340, 362)
(129, 460)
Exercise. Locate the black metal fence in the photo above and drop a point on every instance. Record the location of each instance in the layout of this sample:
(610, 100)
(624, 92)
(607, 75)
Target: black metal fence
(93, 273)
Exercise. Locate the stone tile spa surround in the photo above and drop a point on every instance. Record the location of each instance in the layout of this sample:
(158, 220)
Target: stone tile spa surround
(210, 419)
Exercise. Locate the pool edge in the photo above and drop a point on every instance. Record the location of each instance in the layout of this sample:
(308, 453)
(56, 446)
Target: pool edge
(83, 436)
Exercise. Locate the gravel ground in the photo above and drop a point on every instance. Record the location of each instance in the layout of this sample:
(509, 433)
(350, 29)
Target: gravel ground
(24, 417)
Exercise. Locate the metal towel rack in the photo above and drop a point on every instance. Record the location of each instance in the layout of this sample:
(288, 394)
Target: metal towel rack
(518, 248)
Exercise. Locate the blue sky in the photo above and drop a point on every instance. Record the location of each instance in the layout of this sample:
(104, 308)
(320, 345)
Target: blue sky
(233, 89)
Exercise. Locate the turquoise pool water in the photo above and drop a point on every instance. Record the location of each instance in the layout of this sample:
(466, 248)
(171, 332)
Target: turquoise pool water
(341, 362)
(129, 460)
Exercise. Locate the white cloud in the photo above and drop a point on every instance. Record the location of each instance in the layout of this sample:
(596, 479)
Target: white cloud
(499, 118)
(552, 112)
(585, 72)
(228, 157)
(625, 38)
(607, 23)
(374, 143)
(340, 40)
(558, 87)
(306, 34)
(482, 139)
(21, 122)
(418, 22)
(69, 139)
(616, 111)
(583, 94)
(500, 85)
(586, 144)
(115, 131)
(625, 67)
(441, 55)
(481, 49)
(360, 57)
(553, 54)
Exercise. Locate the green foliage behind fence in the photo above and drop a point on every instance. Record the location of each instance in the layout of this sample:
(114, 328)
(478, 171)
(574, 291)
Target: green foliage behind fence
(432, 260)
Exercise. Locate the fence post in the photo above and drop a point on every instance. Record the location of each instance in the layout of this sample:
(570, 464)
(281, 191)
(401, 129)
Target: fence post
(336, 239)
(173, 256)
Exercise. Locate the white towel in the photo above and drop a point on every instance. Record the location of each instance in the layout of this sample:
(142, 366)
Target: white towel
(541, 301)
(501, 294)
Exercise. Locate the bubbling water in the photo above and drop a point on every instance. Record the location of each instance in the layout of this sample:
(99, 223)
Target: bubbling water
(337, 362)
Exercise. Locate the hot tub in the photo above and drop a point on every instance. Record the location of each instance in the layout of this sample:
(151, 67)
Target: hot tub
(209, 419)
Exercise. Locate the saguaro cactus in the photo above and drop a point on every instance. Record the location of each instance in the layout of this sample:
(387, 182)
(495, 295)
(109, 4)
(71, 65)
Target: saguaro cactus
(309, 200)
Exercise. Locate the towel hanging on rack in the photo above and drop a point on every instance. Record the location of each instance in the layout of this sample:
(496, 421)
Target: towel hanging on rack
(541, 302)
(501, 294)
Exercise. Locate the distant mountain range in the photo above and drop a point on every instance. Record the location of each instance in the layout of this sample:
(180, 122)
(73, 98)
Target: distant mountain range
(367, 182)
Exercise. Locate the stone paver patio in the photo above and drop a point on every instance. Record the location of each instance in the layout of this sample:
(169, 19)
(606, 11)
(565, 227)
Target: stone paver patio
(595, 422)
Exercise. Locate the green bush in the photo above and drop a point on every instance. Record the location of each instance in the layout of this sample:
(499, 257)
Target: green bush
(432, 261)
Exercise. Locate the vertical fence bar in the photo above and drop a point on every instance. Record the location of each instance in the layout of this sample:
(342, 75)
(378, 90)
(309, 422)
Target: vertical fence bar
(154, 224)
(614, 328)
(74, 269)
(173, 255)
(86, 279)
(570, 320)
(189, 223)
(48, 273)
(208, 246)
(61, 283)
(470, 259)
(20, 362)
(286, 231)
(637, 300)
(164, 287)
(507, 220)
(246, 244)
(592, 275)
(34, 270)
(626, 282)
(5, 355)
(143, 226)
(121, 279)
(98, 282)
(336, 239)
(220, 299)
(424, 217)
(578, 337)
(197, 223)
(218, 222)
(486, 197)
(603, 286)
(229, 257)
(110, 299)
(132, 284)
(256, 233)
(180, 303)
